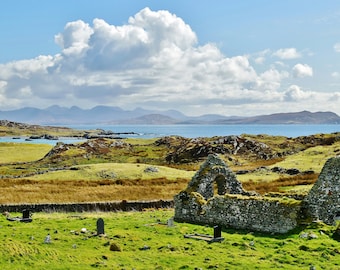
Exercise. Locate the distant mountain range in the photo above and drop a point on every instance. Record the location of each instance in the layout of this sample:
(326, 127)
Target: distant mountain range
(56, 115)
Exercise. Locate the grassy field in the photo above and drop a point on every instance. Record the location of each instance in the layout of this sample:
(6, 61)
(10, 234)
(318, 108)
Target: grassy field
(115, 171)
(145, 243)
(22, 152)
(138, 169)
(102, 173)
(96, 182)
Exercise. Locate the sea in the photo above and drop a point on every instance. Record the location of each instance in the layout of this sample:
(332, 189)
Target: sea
(190, 131)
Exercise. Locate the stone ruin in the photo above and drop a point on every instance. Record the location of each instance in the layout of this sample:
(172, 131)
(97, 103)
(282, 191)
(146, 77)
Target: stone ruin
(233, 207)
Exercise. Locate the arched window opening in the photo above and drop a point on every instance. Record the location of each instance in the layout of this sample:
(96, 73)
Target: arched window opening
(220, 185)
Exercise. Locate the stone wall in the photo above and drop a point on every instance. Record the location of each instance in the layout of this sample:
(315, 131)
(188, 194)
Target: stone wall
(323, 201)
(87, 207)
(235, 208)
(214, 170)
(255, 213)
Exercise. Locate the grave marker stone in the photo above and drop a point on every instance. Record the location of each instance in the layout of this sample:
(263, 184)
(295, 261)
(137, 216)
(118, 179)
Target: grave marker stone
(100, 226)
(25, 214)
(217, 232)
(171, 222)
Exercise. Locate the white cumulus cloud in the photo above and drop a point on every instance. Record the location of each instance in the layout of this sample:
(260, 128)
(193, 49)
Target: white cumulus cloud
(153, 61)
(287, 53)
(302, 70)
(295, 93)
(75, 38)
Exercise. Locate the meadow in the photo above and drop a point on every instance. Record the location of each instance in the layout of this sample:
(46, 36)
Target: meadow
(142, 240)
(136, 170)
(104, 170)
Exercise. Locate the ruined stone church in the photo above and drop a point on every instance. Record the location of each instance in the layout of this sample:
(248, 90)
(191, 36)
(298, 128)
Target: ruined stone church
(233, 207)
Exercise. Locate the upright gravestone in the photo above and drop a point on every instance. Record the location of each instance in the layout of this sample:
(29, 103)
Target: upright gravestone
(171, 222)
(25, 214)
(217, 232)
(100, 226)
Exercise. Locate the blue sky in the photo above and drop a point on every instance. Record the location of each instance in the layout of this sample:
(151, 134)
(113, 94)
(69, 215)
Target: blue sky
(225, 57)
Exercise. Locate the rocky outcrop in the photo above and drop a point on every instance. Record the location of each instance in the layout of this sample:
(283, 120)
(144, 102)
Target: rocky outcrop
(99, 146)
(184, 150)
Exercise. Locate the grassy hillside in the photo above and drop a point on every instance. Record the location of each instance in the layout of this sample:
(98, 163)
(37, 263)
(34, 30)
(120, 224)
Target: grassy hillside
(135, 169)
(143, 242)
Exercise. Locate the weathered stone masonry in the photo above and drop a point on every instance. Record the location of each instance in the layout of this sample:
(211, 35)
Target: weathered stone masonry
(235, 208)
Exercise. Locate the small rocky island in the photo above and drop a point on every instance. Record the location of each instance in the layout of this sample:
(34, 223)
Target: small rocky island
(35, 132)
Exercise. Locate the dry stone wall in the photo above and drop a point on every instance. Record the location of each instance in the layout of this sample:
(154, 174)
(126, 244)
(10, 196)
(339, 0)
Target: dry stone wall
(86, 207)
(323, 201)
(214, 170)
(239, 212)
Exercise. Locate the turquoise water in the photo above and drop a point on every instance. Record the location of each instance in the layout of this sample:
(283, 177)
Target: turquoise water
(193, 131)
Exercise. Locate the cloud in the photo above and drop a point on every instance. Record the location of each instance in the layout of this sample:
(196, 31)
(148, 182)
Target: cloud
(153, 61)
(287, 53)
(335, 74)
(270, 80)
(336, 47)
(294, 93)
(302, 70)
(74, 40)
(260, 57)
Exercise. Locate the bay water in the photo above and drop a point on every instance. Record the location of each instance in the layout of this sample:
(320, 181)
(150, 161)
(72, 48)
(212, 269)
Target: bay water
(192, 131)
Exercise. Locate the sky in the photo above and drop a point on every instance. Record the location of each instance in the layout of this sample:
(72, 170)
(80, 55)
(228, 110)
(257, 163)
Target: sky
(199, 57)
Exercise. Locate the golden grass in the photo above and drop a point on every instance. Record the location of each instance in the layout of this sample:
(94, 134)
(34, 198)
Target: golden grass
(279, 184)
(22, 152)
(14, 191)
(96, 182)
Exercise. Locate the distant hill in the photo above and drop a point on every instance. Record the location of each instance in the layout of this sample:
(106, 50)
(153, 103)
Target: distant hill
(56, 115)
(151, 119)
(75, 115)
(304, 117)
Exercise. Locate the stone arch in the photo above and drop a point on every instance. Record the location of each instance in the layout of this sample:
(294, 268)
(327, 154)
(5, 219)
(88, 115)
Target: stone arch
(214, 170)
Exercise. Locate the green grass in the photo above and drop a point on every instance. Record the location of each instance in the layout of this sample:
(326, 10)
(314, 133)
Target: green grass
(310, 159)
(146, 244)
(23, 152)
(313, 158)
